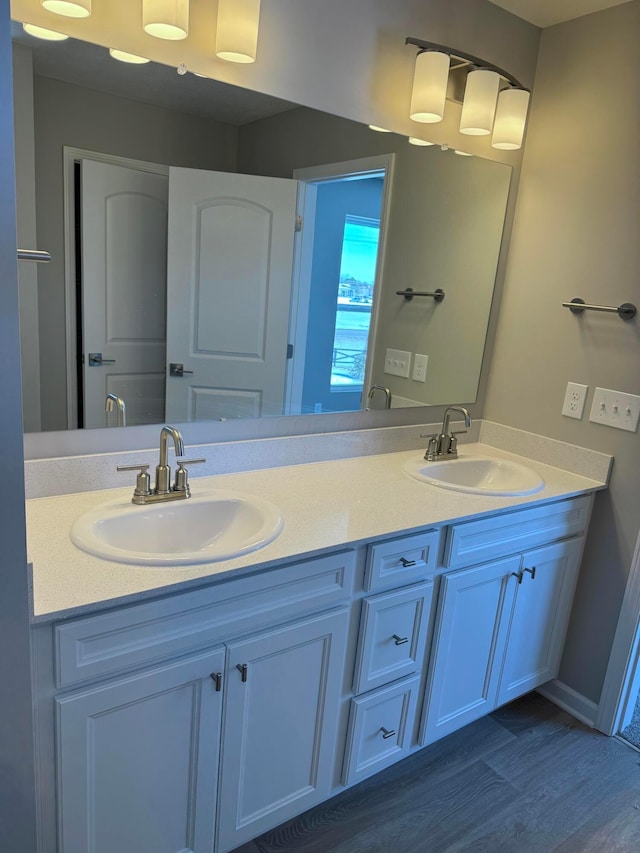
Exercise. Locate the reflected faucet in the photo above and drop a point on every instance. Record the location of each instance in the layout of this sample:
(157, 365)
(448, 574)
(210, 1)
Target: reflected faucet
(111, 401)
(386, 391)
(445, 443)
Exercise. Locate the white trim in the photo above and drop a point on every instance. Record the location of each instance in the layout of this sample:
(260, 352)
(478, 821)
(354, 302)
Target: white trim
(70, 156)
(623, 671)
(570, 700)
(308, 177)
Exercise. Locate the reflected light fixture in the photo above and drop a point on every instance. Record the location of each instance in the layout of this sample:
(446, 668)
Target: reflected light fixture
(414, 140)
(123, 56)
(68, 8)
(42, 33)
(379, 129)
(237, 30)
(166, 19)
(494, 101)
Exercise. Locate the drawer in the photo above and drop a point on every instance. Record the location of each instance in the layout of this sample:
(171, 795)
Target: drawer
(397, 562)
(380, 729)
(99, 646)
(393, 631)
(478, 541)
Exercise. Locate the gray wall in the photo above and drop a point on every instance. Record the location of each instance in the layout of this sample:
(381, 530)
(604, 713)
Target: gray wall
(73, 116)
(17, 796)
(576, 234)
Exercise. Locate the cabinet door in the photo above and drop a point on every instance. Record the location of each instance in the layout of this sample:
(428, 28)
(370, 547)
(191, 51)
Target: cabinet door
(540, 618)
(281, 710)
(468, 648)
(138, 761)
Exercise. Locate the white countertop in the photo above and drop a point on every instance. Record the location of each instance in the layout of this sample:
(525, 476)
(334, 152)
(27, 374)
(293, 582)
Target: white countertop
(325, 505)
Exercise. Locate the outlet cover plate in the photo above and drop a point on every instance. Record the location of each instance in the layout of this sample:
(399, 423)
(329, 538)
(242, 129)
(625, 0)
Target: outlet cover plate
(615, 409)
(420, 367)
(574, 400)
(397, 362)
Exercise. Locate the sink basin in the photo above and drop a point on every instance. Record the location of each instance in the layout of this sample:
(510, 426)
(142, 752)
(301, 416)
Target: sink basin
(214, 526)
(478, 475)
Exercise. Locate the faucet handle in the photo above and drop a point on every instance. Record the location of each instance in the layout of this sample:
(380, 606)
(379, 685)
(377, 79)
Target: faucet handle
(182, 475)
(459, 432)
(143, 482)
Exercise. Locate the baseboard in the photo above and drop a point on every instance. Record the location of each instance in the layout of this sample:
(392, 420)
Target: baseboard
(571, 701)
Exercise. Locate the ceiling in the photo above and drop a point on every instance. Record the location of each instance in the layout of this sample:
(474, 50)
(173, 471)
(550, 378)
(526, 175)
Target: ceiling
(545, 13)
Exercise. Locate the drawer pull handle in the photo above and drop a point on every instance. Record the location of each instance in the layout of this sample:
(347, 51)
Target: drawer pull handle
(518, 575)
(406, 563)
(387, 733)
(242, 669)
(217, 680)
(532, 572)
(400, 641)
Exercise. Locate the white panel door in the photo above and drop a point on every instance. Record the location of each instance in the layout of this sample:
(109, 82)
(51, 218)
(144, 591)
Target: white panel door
(229, 271)
(470, 636)
(540, 618)
(280, 725)
(124, 258)
(138, 761)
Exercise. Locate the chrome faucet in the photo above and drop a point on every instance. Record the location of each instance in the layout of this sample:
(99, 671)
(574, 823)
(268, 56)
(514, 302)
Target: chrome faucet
(386, 392)
(111, 401)
(163, 490)
(445, 443)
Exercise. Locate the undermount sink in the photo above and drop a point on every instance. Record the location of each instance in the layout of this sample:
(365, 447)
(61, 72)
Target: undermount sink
(478, 475)
(214, 526)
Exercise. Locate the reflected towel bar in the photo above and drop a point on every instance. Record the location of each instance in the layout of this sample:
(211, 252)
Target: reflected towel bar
(34, 255)
(409, 293)
(626, 311)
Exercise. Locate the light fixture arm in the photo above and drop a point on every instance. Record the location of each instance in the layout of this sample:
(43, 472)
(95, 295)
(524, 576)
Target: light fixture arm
(466, 58)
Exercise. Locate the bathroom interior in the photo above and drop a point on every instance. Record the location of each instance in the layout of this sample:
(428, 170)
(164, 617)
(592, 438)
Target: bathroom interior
(507, 235)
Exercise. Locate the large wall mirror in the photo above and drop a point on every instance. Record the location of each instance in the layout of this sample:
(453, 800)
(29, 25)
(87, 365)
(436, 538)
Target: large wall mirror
(220, 254)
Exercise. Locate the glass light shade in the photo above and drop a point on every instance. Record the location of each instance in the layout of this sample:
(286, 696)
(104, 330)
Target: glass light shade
(68, 8)
(415, 141)
(123, 56)
(430, 81)
(462, 153)
(479, 105)
(42, 33)
(237, 30)
(511, 118)
(166, 19)
(378, 129)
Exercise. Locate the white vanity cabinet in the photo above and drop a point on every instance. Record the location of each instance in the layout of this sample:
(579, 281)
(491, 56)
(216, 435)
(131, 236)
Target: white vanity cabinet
(501, 625)
(208, 750)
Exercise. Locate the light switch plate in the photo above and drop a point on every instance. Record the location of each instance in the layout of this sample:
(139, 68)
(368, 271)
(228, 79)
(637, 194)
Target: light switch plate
(397, 362)
(615, 409)
(574, 400)
(420, 367)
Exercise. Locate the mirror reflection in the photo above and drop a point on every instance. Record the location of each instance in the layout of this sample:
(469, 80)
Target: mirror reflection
(221, 254)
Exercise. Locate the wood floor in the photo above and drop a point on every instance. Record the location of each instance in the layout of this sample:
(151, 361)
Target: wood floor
(527, 779)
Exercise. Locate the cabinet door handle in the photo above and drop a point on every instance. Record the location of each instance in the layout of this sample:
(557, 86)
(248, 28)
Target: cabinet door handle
(217, 680)
(242, 669)
(518, 575)
(387, 733)
(406, 563)
(532, 572)
(400, 641)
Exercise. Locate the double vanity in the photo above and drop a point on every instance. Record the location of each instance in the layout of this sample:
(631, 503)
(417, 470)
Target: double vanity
(353, 613)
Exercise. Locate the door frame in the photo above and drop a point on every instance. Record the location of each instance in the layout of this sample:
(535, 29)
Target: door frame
(308, 179)
(622, 679)
(71, 156)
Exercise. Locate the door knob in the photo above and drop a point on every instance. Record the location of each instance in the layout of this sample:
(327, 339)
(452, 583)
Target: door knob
(96, 359)
(176, 368)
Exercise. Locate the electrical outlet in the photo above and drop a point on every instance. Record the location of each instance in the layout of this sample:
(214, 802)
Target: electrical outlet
(397, 362)
(420, 367)
(574, 400)
(615, 409)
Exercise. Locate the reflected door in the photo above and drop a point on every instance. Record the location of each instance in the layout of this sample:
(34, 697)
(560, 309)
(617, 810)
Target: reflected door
(124, 236)
(229, 276)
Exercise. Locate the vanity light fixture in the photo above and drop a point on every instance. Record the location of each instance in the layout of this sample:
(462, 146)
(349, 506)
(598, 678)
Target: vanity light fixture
(237, 30)
(414, 140)
(166, 19)
(462, 153)
(378, 129)
(68, 8)
(42, 33)
(494, 101)
(123, 56)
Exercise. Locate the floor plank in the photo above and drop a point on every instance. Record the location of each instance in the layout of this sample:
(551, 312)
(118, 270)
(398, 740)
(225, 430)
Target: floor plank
(527, 779)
